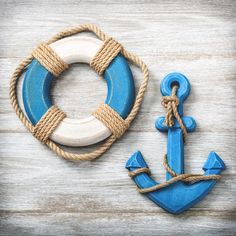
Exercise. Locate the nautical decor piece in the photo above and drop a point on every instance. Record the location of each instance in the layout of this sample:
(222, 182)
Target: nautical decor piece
(180, 191)
(108, 122)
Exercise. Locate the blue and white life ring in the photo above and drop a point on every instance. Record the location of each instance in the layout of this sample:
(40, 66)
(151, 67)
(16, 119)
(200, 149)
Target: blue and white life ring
(86, 131)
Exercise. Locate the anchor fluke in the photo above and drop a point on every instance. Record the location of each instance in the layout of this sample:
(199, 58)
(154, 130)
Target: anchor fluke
(136, 161)
(179, 196)
(213, 162)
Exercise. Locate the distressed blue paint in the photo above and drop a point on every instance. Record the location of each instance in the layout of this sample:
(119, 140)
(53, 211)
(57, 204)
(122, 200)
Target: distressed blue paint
(36, 91)
(179, 196)
(37, 84)
(175, 150)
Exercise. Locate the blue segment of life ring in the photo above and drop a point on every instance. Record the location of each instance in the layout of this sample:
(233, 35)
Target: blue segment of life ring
(38, 80)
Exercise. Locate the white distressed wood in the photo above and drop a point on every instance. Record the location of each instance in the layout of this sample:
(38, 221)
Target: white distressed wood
(42, 194)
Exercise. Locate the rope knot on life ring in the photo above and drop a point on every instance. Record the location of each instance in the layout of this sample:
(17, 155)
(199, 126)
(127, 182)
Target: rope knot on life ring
(48, 123)
(105, 55)
(111, 119)
(49, 59)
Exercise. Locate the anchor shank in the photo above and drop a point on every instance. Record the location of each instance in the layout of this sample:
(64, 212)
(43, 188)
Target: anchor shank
(175, 151)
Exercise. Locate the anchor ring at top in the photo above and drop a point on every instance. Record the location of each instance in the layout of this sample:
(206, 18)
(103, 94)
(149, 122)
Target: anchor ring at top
(86, 131)
(176, 79)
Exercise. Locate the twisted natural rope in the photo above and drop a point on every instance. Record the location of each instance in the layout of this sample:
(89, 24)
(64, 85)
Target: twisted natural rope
(176, 178)
(105, 55)
(171, 104)
(111, 119)
(107, 144)
(48, 123)
(181, 177)
(133, 173)
(49, 59)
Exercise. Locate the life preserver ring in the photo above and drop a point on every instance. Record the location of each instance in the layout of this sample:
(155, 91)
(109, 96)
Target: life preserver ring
(86, 131)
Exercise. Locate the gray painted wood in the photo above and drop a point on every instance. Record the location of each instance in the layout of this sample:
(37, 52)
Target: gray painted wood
(42, 194)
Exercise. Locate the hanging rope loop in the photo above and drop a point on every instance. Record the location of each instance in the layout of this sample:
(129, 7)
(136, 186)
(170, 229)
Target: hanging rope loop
(171, 104)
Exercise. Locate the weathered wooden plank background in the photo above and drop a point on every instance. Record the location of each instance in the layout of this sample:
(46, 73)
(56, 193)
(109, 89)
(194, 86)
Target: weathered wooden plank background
(42, 194)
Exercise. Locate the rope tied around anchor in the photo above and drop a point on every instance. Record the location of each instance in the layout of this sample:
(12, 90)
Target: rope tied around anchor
(53, 63)
(171, 104)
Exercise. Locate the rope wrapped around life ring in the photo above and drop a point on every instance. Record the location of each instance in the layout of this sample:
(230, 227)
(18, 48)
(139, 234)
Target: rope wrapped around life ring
(108, 55)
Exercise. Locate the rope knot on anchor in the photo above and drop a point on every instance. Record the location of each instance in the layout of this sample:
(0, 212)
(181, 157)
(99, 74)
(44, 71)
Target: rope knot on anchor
(171, 103)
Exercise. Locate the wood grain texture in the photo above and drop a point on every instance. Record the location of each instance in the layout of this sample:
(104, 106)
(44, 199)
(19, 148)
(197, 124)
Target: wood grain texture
(41, 194)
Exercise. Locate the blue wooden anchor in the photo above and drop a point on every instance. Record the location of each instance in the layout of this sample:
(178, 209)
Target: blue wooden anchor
(178, 196)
